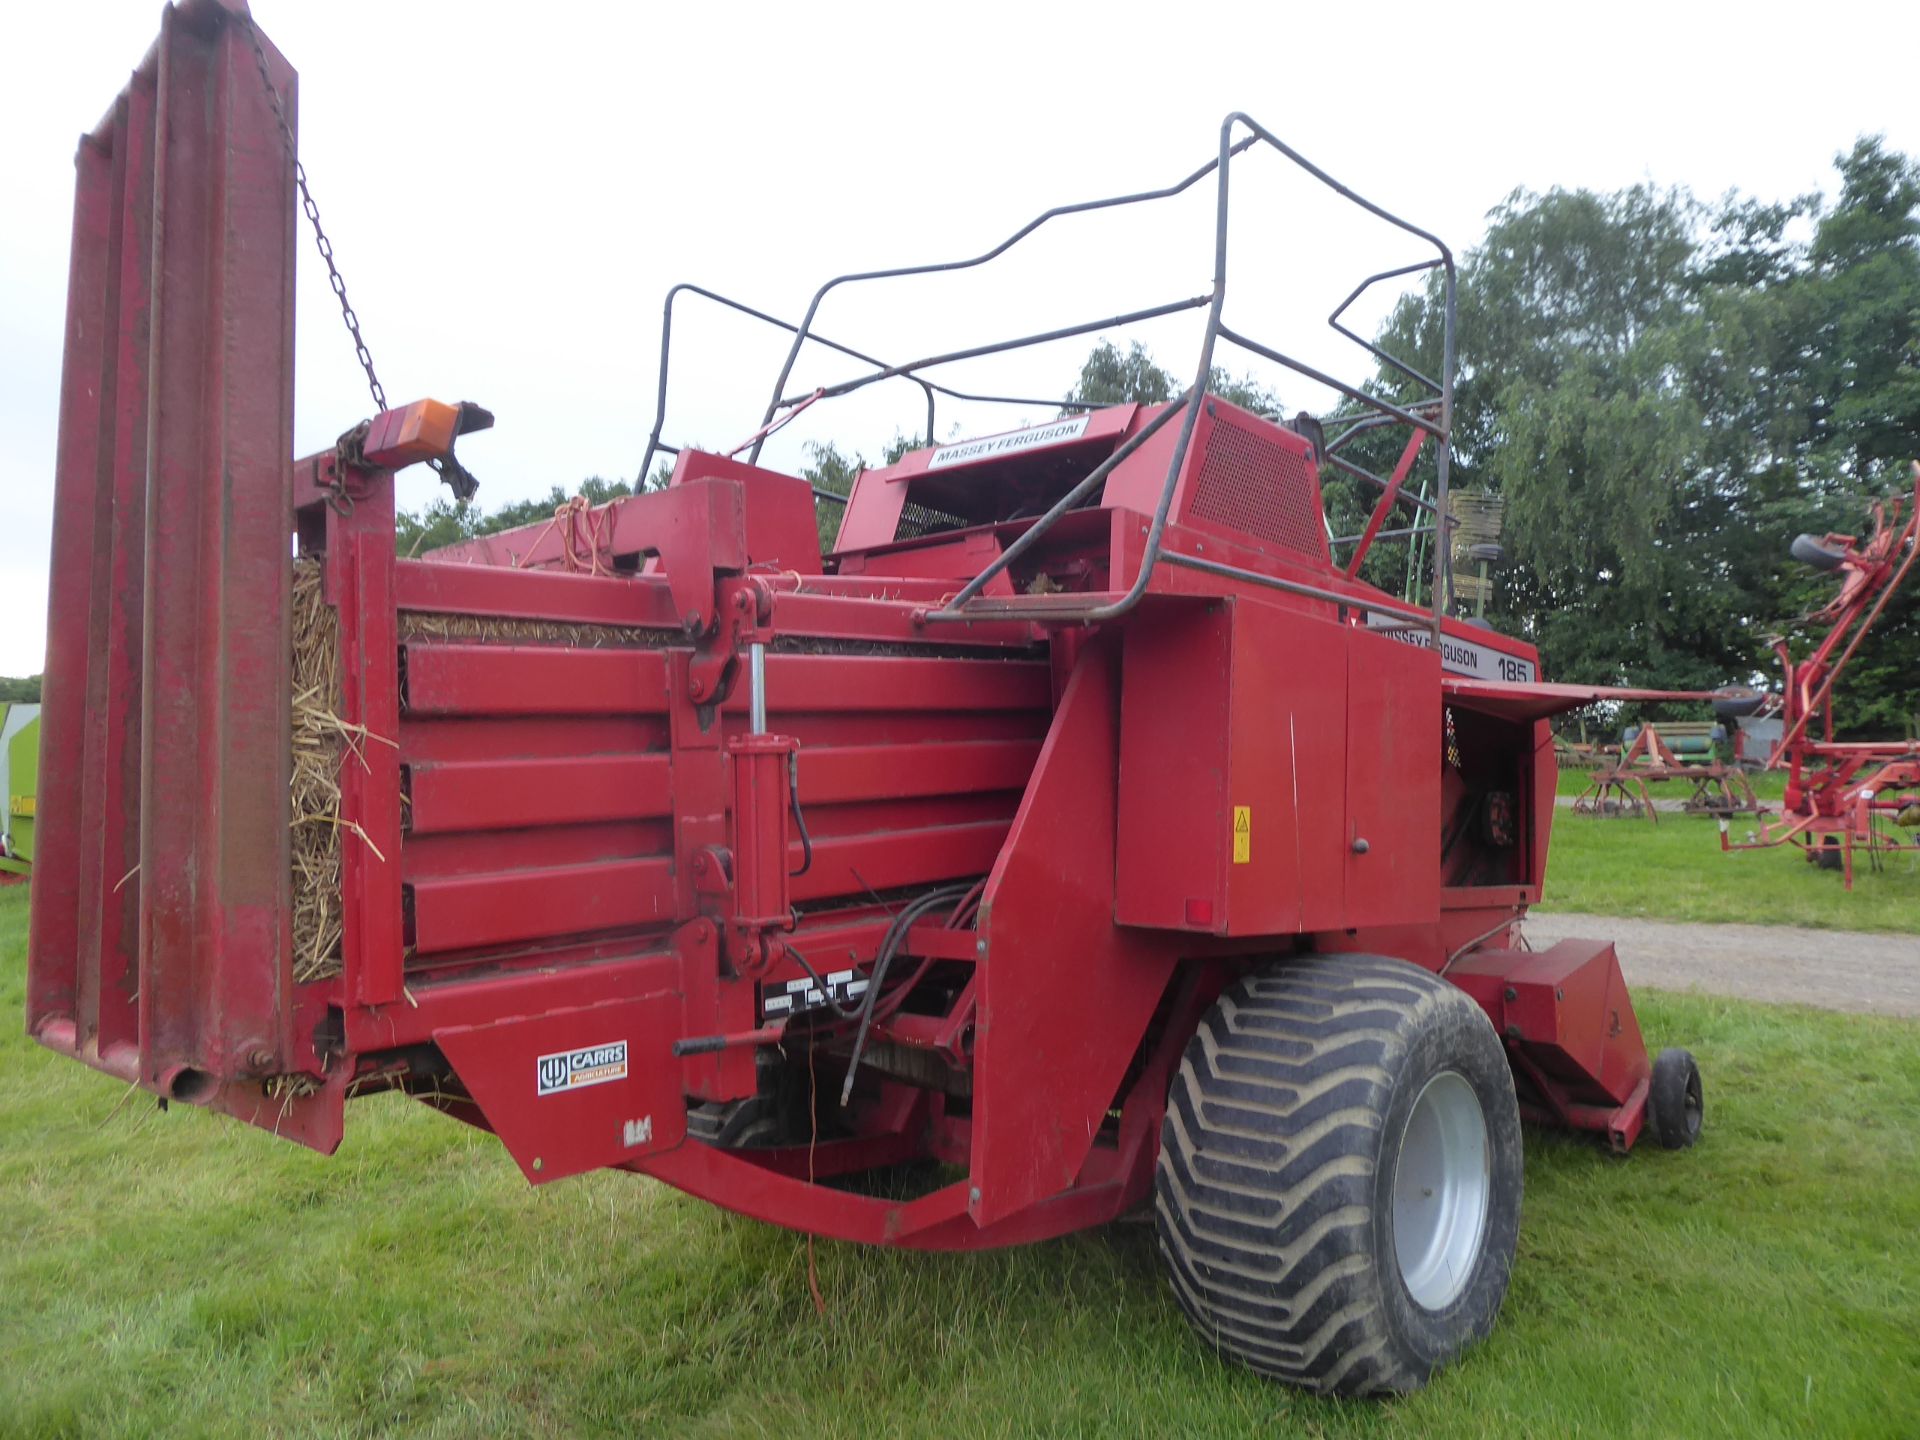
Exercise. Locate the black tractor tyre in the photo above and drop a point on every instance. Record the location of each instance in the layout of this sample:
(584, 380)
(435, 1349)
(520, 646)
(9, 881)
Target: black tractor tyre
(1279, 1197)
(1732, 702)
(1815, 551)
(1675, 1106)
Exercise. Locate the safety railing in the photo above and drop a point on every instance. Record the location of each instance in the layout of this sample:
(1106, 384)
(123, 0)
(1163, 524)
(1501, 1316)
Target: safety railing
(1429, 416)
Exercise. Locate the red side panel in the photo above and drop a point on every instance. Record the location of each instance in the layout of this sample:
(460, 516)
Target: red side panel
(1066, 994)
(1393, 730)
(164, 870)
(576, 1090)
(1233, 747)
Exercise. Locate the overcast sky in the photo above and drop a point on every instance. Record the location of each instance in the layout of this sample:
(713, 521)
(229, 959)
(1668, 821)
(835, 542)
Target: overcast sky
(511, 190)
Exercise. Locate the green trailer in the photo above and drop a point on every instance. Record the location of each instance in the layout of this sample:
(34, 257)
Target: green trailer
(19, 767)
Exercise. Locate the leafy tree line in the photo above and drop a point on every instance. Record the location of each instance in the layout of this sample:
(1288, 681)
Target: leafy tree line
(1666, 392)
(19, 689)
(446, 521)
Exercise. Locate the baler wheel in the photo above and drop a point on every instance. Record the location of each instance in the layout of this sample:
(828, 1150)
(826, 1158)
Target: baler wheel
(1674, 1105)
(1338, 1191)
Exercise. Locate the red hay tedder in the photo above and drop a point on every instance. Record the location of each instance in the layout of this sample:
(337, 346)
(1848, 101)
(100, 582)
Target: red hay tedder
(1843, 795)
(1080, 830)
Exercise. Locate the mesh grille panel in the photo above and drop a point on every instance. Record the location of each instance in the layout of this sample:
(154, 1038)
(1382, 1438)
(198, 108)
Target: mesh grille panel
(917, 520)
(1250, 482)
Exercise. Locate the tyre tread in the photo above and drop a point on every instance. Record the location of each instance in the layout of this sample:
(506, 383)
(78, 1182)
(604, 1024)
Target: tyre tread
(1264, 1180)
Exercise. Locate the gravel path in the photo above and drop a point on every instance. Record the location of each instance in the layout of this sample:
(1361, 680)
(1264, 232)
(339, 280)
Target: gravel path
(1784, 964)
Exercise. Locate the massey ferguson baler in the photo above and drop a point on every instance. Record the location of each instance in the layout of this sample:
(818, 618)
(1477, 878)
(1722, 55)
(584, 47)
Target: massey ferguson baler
(1081, 831)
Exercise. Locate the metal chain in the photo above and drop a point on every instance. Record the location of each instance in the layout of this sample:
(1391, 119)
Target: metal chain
(313, 214)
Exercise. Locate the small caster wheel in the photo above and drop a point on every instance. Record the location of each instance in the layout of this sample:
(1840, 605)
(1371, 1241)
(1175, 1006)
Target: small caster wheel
(1673, 1100)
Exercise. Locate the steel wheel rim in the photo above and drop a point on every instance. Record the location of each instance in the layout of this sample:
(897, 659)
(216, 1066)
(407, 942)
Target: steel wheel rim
(1442, 1185)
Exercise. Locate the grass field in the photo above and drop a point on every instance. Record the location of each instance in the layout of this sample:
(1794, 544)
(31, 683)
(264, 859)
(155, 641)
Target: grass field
(181, 1274)
(1675, 871)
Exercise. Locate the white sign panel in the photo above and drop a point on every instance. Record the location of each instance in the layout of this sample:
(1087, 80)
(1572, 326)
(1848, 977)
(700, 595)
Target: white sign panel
(576, 1069)
(992, 447)
(1465, 657)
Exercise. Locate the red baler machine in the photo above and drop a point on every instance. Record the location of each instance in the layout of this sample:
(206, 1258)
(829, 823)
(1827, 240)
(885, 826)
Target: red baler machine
(1081, 829)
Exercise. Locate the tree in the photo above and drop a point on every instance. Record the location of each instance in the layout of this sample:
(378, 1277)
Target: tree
(1108, 377)
(1665, 395)
(445, 521)
(1111, 378)
(20, 690)
(827, 469)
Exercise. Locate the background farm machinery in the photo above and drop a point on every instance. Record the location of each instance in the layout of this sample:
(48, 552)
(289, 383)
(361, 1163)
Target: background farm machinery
(19, 767)
(1668, 750)
(1844, 795)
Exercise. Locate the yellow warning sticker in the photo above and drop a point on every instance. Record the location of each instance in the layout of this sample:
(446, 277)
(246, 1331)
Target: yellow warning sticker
(1242, 834)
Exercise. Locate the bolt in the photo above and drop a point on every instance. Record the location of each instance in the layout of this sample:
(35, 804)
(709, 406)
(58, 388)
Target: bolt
(260, 1059)
(973, 1195)
(1511, 994)
(697, 688)
(693, 620)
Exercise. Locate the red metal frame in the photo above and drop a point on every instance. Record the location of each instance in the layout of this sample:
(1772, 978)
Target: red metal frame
(582, 907)
(1841, 796)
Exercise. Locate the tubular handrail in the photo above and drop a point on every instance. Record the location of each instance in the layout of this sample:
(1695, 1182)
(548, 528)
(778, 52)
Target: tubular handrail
(656, 446)
(975, 352)
(901, 272)
(1377, 409)
(1217, 330)
(1367, 345)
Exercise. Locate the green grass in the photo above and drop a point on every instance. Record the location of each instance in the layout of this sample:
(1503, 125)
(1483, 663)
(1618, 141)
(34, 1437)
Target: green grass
(1675, 870)
(183, 1274)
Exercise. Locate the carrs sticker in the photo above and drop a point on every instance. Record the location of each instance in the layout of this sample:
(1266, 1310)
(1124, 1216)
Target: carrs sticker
(577, 1069)
(1243, 834)
(1464, 657)
(990, 447)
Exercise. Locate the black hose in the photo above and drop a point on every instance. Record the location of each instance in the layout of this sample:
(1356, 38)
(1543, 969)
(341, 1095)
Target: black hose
(799, 818)
(889, 944)
(846, 1012)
